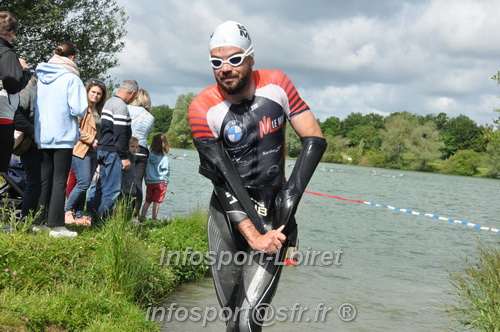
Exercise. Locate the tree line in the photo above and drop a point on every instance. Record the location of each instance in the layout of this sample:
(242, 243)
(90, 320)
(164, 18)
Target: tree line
(402, 140)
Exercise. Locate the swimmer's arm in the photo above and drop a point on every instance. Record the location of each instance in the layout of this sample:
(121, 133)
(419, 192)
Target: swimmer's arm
(269, 242)
(229, 202)
(305, 124)
(313, 147)
(216, 165)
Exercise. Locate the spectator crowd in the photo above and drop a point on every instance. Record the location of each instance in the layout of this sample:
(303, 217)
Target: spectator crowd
(81, 148)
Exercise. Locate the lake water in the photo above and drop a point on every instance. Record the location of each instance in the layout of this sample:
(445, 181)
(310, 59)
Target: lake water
(392, 266)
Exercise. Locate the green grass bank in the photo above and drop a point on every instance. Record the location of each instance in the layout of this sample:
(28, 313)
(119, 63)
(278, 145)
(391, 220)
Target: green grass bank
(102, 280)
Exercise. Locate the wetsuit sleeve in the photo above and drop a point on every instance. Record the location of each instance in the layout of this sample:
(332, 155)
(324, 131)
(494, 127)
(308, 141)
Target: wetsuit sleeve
(202, 132)
(216, 165)
(288, 198)
(229, 202)
(225, 194)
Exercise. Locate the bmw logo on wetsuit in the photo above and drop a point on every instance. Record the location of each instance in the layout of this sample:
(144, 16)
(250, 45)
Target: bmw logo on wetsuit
(234, 132)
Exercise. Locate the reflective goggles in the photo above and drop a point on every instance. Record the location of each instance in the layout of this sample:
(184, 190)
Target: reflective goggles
(234, 60)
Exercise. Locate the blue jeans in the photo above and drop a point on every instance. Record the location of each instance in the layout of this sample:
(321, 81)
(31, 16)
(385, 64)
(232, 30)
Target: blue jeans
(91, 195)
(84, 170)
(31, 161)
(109, 184)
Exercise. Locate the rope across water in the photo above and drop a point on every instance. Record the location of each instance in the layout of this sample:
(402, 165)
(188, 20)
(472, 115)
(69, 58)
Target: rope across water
(496, 230)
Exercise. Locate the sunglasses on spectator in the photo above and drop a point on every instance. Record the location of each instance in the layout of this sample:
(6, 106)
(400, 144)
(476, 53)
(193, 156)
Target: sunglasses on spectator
(98, 83)
(234, 60)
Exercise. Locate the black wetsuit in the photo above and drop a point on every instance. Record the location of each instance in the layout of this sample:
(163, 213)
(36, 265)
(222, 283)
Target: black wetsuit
(248, 139)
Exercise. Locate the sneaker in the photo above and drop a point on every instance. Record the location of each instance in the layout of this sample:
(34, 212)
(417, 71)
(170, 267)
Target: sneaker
(68, 217)
(39, 228)
(62, 232)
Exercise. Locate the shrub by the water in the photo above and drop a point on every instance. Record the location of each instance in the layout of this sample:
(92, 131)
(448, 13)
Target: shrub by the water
(464, 162)
(477, 287)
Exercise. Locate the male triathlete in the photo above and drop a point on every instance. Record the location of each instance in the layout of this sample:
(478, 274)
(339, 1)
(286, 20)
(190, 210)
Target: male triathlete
(238, 127)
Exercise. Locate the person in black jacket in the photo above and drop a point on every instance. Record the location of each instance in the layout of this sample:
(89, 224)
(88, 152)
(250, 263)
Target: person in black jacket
(14, 76)
(31, 160)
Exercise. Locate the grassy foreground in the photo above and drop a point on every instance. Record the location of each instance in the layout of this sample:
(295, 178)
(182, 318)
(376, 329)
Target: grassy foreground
(102, 280)
(477, 287)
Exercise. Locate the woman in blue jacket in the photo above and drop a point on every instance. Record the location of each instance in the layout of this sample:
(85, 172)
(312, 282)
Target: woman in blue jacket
(61, 98)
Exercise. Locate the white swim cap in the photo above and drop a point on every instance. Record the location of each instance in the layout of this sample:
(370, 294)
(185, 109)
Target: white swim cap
(231, 33)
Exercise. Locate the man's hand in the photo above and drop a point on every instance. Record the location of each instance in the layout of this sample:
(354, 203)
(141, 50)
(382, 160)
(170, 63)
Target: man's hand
(24, 64)
(125, 163)
(270, 242)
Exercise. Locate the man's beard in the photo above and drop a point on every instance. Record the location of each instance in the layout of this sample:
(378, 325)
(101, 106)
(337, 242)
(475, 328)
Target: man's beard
(231, 90)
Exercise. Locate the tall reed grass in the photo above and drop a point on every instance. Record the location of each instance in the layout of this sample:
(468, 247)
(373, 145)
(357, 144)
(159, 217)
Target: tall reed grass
(477, 287)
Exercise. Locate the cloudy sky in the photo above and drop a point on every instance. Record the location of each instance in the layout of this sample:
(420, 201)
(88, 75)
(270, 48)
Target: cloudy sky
(365, 56)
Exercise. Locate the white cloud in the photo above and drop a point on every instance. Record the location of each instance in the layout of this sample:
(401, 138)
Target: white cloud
(466, 26)
(357, 56)
(344, 45)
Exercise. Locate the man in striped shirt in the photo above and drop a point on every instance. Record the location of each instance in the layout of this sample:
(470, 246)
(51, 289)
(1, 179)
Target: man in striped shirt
(112, 150)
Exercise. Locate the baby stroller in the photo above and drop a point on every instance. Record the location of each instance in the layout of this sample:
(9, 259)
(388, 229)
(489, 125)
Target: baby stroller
(12, 190)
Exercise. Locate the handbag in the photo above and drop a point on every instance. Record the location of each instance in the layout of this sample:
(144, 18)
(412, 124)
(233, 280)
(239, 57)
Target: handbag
(22, 144)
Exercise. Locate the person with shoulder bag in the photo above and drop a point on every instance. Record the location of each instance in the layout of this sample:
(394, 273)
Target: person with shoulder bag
(142, 125)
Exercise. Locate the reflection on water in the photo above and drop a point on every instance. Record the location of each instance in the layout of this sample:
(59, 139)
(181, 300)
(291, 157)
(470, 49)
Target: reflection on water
(394, 265)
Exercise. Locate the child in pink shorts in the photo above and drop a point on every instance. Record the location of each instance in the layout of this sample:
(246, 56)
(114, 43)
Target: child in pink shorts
(157, 173)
